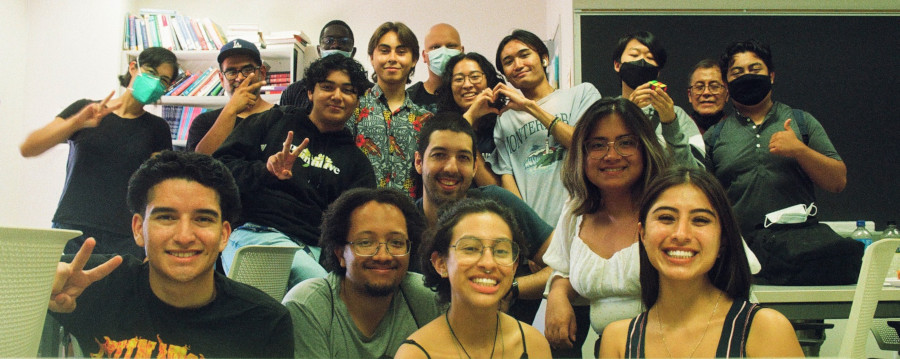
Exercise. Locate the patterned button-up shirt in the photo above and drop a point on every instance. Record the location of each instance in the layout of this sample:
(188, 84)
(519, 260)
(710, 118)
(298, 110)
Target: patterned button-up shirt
(389, 139)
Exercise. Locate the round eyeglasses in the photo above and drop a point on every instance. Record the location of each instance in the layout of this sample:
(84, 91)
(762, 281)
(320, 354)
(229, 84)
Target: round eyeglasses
(369, 247)
(625, 146)
(475, 77)
(470, 249)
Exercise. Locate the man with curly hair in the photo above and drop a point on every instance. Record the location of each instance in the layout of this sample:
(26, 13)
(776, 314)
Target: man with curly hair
(290, 165)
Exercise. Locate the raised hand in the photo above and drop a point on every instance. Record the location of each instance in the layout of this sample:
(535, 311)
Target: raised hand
(645, 95)
(481, 106)
(785, 143)
(516, 100)
(281, 163)
(92, 114)
(71, 279)
(245, 94)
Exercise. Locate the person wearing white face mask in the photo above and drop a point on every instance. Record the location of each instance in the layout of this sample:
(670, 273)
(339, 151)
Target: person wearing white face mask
(108, 140)
(441, 43)
(336, 38)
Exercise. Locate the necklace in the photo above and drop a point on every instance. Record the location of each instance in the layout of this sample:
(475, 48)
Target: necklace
(493, 346)
(663, 336)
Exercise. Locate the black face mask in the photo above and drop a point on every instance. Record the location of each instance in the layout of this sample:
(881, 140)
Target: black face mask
(750, 89)
(636, 73)
(704, 122)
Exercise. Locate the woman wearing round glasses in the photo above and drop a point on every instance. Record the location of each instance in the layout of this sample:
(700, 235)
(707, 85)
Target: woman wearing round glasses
(108, 140)
(467, 89)
(638, 59)
(594, 251)
(469, 259)
(695, 280)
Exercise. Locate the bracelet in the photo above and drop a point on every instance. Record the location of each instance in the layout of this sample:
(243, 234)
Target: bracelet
(552, 123)
(514, 291)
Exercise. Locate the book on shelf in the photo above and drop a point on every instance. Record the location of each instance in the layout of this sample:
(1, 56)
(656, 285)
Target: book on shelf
(180, 118)
(166, 28)
(197, 81)
(183, 86)
(201, 89)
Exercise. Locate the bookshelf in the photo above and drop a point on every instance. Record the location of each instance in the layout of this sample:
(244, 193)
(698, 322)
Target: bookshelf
(289, 58)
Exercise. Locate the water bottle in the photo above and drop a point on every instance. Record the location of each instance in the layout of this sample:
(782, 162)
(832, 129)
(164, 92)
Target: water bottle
(891, 231)
(862, 234)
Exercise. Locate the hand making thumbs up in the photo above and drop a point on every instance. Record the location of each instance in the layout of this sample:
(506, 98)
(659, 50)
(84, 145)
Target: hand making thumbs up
(785, 143)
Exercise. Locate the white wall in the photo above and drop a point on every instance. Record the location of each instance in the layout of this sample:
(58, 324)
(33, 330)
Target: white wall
(59, 51)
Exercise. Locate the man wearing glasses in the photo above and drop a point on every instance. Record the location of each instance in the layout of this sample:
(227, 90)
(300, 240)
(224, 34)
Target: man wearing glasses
(446, 160)
(369, 302)
(336, 37)
(707, 94)
(242, 74)
(290, 165)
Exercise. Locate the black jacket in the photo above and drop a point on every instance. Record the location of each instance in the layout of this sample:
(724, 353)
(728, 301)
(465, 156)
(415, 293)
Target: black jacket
(330, 165)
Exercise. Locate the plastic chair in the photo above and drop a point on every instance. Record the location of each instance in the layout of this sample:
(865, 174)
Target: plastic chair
(885, 335)
(28, 260)
(875, 263)
(264, 267)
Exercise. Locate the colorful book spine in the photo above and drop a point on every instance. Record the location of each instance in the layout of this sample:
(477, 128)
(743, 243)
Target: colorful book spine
(211, 31)
(181, 88)
(199, 35)
(197, 82)
(202, 84)
(132, 40)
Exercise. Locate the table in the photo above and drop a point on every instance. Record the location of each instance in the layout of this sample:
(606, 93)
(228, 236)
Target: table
(822, 302)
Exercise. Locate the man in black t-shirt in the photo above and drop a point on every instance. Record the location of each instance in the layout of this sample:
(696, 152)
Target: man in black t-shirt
(174, 303)
(242, 73)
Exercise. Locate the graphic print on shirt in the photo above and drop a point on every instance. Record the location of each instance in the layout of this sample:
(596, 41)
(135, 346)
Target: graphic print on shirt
(318, 161)
(539, 155)
(138, 347)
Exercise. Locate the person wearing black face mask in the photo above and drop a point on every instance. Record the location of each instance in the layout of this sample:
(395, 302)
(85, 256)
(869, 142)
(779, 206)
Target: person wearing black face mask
(707, 94)
(638, 58)
(767, 155)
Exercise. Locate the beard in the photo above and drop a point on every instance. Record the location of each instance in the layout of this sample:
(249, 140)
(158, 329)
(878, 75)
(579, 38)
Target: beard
(380, 290)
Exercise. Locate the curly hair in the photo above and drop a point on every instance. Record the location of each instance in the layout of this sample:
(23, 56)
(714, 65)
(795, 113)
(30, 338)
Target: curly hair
(438, 237)
(191, 166)
(319, 70)
(336, 220)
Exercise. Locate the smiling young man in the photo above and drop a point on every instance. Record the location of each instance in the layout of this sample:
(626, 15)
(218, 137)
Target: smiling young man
(533, 135)
(242, 74)
(336, 38)
(369, 302)
(287, 184)
(446, 161)
(173, 303)
(707, 94)
(387, 122)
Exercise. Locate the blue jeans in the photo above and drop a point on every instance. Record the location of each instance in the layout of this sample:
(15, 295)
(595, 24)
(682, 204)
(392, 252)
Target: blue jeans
(306, 261)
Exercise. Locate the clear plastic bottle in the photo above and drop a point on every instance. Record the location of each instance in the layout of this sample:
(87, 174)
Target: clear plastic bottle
(862, 234)
(891, 231)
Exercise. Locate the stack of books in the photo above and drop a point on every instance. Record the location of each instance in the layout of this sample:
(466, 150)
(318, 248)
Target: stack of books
(165, 28)
(276, 82)
(180, 119)
(208, 83)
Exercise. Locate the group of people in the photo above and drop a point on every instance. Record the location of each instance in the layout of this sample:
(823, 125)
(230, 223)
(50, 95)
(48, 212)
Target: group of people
(432, 218)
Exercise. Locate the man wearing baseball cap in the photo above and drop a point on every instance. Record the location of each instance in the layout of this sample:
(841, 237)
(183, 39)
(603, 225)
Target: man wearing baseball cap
(242, 74)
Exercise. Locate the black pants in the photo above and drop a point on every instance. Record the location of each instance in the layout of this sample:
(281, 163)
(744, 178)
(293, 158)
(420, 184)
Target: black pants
(583, 325)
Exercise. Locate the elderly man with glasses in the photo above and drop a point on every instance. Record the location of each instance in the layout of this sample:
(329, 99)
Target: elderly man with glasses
(242, 73)
(707, 94)
(369, 302)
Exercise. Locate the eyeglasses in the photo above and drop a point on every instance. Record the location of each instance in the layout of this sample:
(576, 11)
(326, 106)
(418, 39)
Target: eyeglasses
(331, 40)
(625, 146)
(471, 249)
(369, 247)
(475, 77)
(231, 74)
(714, 88)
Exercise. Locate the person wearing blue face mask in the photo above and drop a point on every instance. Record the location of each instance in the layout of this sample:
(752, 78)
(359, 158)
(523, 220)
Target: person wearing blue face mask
(638, 58)
(441, 43)
(336, 38)
(108, 140)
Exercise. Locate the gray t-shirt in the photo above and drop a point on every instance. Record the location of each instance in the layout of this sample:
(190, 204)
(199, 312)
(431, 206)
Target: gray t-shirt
(525, 151)
(323, 328)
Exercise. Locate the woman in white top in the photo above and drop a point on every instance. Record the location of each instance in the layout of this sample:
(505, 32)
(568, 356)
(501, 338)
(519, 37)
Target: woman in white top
(614, 155)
